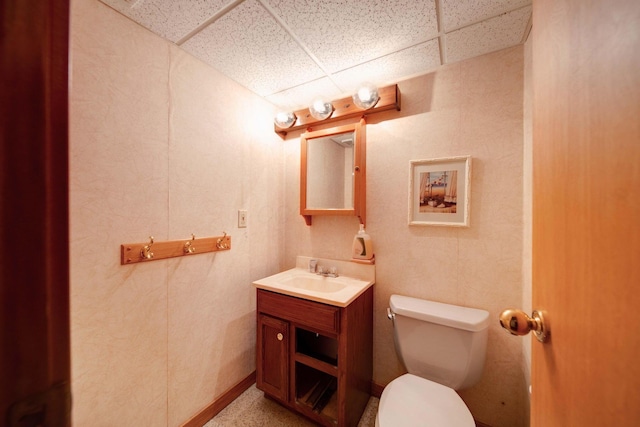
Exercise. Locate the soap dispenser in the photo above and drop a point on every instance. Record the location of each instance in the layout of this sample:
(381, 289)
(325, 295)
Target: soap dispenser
(362, 245)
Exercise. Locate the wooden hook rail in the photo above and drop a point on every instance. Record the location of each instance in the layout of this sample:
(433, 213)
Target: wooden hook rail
(131, 253)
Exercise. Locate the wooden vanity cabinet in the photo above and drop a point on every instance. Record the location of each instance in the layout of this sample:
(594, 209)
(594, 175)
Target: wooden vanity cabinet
(314, 358)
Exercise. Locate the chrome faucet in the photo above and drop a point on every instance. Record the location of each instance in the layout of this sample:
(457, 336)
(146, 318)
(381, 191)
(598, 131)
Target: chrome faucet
(328, 272)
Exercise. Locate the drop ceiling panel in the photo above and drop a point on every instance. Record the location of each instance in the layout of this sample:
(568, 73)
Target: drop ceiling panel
(487, 36)
(249, 46)
(460, 13)
(345, 33)
(382, 71)
(302, 96)
(291, 51)
(170, 19)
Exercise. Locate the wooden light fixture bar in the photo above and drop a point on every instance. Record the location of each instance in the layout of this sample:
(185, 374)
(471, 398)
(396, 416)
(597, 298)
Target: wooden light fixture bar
(345, 109)
(131, 253)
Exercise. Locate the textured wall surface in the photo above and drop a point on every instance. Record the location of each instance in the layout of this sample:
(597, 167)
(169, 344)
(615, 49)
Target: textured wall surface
(475, 108)
(162, 145)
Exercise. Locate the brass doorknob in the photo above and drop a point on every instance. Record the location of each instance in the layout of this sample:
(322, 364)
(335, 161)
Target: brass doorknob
(279, 336)
(517, 322)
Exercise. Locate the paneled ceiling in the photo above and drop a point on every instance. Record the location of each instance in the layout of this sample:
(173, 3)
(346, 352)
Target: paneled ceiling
(292, 51)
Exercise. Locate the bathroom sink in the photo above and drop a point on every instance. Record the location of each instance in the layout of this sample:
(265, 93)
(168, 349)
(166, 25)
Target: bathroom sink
(339, 291)
(314, 283)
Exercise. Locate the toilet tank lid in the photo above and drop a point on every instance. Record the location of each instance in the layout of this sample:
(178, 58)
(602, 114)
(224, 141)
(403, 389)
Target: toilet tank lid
(470, 319)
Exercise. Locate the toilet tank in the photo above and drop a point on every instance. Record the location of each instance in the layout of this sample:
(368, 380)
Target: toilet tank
(440, 342)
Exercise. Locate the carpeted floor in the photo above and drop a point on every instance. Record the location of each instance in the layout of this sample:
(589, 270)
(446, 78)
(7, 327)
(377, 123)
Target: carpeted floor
(252, 409)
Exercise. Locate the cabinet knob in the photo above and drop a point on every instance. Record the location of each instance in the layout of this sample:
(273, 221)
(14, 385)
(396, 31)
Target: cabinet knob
(280, 336)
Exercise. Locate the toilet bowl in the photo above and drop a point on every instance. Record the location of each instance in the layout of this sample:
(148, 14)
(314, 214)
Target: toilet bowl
(443, 348)
(413, 401)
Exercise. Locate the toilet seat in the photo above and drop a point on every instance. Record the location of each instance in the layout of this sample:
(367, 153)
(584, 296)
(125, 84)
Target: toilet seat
(412, 401)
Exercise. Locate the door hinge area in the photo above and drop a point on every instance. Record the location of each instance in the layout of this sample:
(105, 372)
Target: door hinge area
(50, 408)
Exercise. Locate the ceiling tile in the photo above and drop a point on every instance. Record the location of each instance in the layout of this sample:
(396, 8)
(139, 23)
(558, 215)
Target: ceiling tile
(382, 71)
(170, 19)
(291, 51)
(249, 46)
(488, 36)
(345, 33)
(459, 13)
(302, 96)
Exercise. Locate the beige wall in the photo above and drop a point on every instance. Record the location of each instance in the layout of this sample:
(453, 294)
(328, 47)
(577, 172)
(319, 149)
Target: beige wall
(470, 108)
(162, 145)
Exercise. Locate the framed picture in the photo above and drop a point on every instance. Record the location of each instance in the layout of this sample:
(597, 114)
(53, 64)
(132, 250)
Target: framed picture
(439, 191)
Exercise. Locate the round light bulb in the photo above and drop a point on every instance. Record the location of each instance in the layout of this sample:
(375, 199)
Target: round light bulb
(285, 120)
(366, 97)
(321, 109)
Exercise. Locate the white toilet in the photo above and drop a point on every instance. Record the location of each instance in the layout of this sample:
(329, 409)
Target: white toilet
(443, 348)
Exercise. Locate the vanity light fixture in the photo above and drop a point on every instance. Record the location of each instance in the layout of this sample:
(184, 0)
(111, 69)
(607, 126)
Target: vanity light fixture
(321, 109)
(380, 99)
(366, 97)
(285, 120)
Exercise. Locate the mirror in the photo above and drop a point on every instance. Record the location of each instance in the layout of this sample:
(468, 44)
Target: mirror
(332, 172)
(330, 163)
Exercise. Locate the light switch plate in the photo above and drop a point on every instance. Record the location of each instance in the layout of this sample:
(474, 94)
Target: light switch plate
(242, 218)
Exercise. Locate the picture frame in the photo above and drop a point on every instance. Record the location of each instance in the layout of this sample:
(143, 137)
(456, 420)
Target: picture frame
(439, 191)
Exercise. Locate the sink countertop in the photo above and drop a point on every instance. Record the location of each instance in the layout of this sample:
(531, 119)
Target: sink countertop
(353, 279)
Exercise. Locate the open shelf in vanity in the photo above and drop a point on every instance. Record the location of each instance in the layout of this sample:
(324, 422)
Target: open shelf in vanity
(316, 391)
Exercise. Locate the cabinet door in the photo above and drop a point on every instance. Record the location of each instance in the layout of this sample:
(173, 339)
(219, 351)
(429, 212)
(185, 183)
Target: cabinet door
(272, 365)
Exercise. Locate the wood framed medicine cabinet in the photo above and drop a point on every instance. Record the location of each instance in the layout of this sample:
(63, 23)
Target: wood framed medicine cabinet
(333, 172)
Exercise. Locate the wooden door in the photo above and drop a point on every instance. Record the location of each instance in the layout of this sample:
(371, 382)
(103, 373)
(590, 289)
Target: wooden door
(586, 212)
(34, 242)
(272, 366)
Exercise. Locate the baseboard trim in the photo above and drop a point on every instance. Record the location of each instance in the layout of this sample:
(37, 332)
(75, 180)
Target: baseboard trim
(221, 402)
(376, 389)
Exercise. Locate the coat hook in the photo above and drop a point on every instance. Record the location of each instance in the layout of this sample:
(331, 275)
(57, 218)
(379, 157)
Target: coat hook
(221, 242)
(145, 252)
(188, 248)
